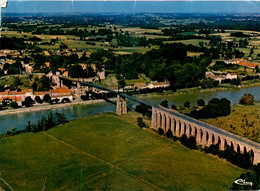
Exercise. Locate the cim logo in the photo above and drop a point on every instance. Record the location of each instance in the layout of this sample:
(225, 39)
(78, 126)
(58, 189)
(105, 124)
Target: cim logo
(243, 182)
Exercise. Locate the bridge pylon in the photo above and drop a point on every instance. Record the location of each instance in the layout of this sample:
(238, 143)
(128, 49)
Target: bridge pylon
(121, 107)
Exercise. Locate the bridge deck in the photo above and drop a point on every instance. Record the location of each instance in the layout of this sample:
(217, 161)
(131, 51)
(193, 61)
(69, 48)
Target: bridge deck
(211, 127)
(177, 114)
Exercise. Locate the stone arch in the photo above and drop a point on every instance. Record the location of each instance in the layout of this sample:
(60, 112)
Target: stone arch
(207, 137)
(219, 142)
(185, 128)
(175, 127)
(160, 121)
(201, 135)
(170, 123)
(232, 145)
(252, 155)
(179, 128)
(238, 148)
(190, 130)
(195, 131)
(225, 144)
(245, 150)
(165, 123)
(156, 120)
(213, 139)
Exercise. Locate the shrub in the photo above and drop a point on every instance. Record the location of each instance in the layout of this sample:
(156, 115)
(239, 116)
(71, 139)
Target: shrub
(187, 104)
(29, 126)
(61, 118)
(28, 101)
(38, 99)
(47, 98)
(14, 104)
(144, 109)
(184, 139)
(160, 131)
(247, 99)
(201, 102)
(215, 108)
(191, 142)
(169, 134)
(164, 103)
(64, 100)
(213, 149)
(173, 107)
(140, 122)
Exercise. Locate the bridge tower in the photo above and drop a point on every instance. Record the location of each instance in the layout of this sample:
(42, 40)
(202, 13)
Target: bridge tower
(78, 92)
(121, 107)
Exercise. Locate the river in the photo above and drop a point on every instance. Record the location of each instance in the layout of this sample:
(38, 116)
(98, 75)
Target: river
(19, 120)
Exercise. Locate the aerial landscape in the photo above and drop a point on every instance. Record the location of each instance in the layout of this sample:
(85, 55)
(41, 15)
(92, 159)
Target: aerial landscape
(130, 95)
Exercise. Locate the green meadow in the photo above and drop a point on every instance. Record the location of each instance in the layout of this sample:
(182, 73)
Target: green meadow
(108, 152)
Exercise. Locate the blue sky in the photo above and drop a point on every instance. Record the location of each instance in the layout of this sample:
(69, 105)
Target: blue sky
(133, 6)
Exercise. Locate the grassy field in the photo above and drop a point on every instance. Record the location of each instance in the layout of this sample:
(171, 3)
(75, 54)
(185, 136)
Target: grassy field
(9, 80)
(243, 120)
(141, 79)
(110, 81)
(194, 42)
(112, 153)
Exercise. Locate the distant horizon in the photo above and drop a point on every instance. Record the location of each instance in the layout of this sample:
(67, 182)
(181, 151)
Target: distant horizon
(92, 7)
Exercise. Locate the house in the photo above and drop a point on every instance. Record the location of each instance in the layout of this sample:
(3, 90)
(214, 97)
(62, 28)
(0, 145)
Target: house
(231, 76)
(15, 95)
(47, 64)
(46, 53)
(29, 67)
(156, 84)
(57, 93)
(216, 78)
(140, 85)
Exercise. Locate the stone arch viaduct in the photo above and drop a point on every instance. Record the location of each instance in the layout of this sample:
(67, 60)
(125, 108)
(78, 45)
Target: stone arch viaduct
(205, 134)
(181, 124)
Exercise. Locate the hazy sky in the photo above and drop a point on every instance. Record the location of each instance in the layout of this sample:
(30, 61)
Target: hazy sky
(21, 6)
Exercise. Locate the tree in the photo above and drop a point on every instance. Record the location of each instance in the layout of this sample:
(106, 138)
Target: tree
(50, 121)
(63, 46)
(184, 139)
(247, 99)
(215, 108)
(140, 122)
(28, 101)
(187, 104)
(173, 107)
(201, 102)
(144, 109)
(16, 82)
(169, 134)
(191, 142)
(251, 51)
(207, 83)
(38, 99)
(14, 104)
(46, 98)
(61, 118)
(76, 71)
(164, 103)
(29, 126)
(160, 131)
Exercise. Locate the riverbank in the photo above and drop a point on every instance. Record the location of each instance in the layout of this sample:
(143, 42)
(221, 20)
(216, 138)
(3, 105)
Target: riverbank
(223, 87)
(47, 106)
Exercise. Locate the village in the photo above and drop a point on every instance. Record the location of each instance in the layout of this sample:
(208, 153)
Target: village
(57, 93)
(60, 93)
